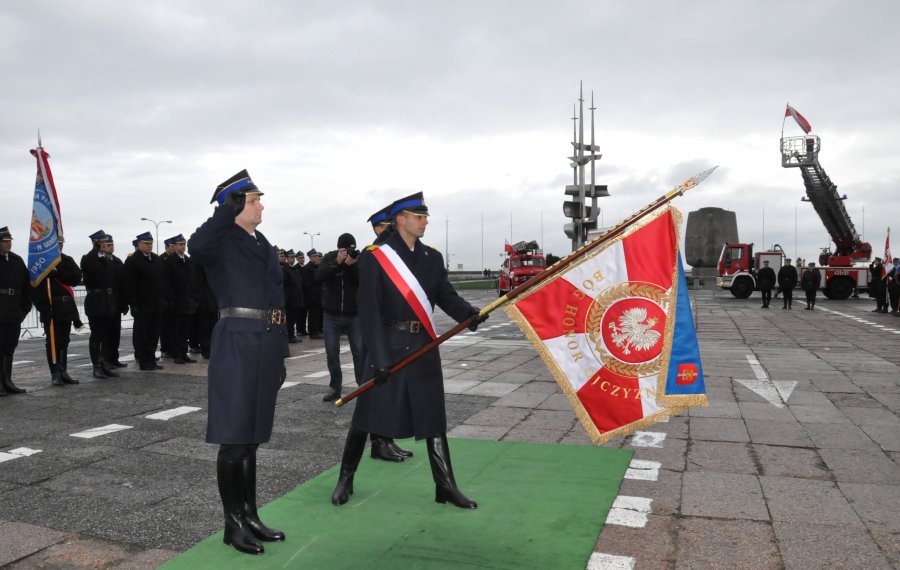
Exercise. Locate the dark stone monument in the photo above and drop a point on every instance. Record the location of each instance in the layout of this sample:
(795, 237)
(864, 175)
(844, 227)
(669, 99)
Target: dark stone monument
(707, 230)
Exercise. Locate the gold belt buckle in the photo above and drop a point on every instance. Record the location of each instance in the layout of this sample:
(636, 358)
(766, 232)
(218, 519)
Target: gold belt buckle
(277, 317)
(414, 326)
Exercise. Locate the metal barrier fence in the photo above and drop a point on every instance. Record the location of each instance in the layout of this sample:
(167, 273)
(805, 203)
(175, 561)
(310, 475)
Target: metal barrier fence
(32, 327)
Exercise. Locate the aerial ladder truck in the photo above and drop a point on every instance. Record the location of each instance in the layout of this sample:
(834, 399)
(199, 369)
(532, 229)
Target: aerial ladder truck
(844, 271)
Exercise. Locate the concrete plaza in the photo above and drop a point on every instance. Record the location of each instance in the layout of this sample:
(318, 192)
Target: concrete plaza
(795, 463)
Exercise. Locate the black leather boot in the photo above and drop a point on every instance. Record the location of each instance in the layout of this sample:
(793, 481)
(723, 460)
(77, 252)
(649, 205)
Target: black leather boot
(353, 450)
(397, 449)
(56, 380)
(3, 391)
(231, 488)
(98, 372)
(7, 387)
(381, 449)
(107, 369)
(63, 367)
(251, 517)
(445, 488)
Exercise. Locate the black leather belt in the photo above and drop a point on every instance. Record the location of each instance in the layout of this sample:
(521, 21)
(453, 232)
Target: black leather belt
(10, 292)
(107, 291)
(270, 316)
(405, 326)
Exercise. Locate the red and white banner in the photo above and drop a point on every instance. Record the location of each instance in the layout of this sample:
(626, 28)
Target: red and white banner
(605, 328)
(888, 264)
(801, 120)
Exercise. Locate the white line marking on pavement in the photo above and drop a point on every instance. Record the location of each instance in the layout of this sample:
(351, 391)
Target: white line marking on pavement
(17, 453)
(776, 392)
(169, 414)
(629, 511)
(23, 362)
(288, 385)
(321, 374)
(601, 561)
(96, 432)
(648, 439)
(642, 470)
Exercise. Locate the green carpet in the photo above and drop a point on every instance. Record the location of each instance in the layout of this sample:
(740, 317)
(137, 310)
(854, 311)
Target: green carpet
(540, 506)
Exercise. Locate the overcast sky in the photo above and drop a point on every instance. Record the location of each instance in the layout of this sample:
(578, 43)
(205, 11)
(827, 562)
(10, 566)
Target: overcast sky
(338, 108)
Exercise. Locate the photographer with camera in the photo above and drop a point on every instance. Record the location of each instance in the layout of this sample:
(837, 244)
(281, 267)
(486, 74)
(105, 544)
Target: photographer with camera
(339, 278)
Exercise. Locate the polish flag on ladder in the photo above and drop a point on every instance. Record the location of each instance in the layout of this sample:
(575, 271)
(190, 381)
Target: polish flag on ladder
(801, 120)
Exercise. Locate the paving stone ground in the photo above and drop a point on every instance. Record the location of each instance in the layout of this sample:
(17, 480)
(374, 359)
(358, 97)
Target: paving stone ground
(810, 481)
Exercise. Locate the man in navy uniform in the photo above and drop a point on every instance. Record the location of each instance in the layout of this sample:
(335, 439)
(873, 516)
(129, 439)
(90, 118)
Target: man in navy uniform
(249, 344)
(15, 304)
(384, 447)
(101, 304)
(108, 247)
(144, 290)
(410, 402)
(313, 295)
(293, 294)
(61, 310)
(181, 302)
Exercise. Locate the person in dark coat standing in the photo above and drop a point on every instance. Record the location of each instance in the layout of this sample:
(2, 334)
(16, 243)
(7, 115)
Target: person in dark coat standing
(313, 295)
(383, 447)
(339, 277)
(809, 282)
(144, 290)
(181, 302)
(101, 285)
(293, 294)
(893, 287)
(15, 304)
(787, 280)
(61, 311)
(765, 280)
(207, 311)
(108, 247)
(249, 345)
(410, 402)
(878, 286)
(300, 277)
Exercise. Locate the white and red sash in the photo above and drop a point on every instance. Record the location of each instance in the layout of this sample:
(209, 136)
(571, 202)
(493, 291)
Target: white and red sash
(407, 284)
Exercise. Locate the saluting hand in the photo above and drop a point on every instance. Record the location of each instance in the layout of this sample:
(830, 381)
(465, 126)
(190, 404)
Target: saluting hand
(235, 201)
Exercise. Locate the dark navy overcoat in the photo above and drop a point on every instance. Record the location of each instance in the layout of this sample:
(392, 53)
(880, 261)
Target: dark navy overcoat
(247, 355)
(411, 402)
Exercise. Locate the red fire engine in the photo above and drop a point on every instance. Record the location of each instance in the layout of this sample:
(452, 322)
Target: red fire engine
(844, 270)
(524, 261)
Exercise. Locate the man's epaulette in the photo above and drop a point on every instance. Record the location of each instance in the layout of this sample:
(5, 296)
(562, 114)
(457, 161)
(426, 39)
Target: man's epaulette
(371, 247)
(434, 249)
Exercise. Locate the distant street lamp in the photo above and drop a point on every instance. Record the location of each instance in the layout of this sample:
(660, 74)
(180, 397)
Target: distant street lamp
(312, 238)
(156, 230)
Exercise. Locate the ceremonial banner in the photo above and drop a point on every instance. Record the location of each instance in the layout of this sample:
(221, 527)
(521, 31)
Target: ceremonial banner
(46, 223)
(801, 120)
(616, 330)
(888, 264)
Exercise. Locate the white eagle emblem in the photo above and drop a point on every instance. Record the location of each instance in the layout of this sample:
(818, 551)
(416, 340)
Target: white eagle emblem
(635, 331)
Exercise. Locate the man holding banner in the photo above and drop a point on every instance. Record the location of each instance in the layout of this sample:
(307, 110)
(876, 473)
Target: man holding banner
(54, 298)
(400, 282)
(15, 303)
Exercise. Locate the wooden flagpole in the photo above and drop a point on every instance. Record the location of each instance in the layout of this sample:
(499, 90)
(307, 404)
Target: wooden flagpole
(540, 277)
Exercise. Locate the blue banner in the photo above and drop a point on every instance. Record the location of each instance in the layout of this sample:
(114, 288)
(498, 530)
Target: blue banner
(43, 239)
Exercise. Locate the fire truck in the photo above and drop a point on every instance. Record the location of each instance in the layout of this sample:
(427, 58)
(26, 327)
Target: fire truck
(524, 261)
(845, 270)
